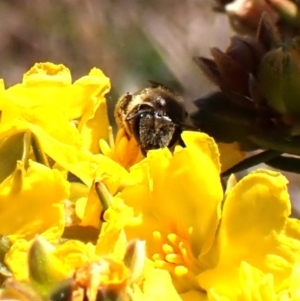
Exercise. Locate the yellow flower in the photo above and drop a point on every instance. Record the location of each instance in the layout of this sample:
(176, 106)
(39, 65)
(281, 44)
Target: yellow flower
(205, 244)
(73, 253)
(46, 103)
(173, 190)
(179, 196)
(112, 266)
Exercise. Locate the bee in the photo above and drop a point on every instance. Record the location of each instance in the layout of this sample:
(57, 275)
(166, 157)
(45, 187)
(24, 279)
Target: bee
(154, 116)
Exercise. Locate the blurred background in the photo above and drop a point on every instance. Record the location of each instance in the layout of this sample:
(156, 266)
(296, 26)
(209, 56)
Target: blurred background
(132, 41)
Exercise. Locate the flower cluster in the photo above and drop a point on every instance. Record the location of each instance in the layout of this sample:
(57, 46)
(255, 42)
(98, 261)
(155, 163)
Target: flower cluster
(257, 106)
(87, 218)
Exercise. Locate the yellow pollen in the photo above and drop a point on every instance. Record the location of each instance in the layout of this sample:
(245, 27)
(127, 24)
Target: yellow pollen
(180, 271)
(156, 257)
(160, 264)
(174, 239)
(174, 258)
(157, 236)
(167, 249)
(175, 254)
(183, 249)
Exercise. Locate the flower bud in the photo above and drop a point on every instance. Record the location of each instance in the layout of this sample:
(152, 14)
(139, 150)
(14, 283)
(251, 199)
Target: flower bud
(279, 79)
(287, 9)
(44, 267)
(134, 259)
(245, 14)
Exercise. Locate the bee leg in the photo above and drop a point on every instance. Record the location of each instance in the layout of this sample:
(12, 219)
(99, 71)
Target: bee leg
(144, 152)
(181, 142)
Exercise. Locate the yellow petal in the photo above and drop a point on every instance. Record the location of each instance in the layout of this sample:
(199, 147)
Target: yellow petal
(158, 286)
(230, 154)
(74, 254)
(112, 236)
(193, 295)
(94, 122)
(93, 209)
(294, 282)
(47, 73)
(16, 259)
(47, 84)
(255, 228)
(180, 192)
(79, 162)
(31, 202)
(253, 285)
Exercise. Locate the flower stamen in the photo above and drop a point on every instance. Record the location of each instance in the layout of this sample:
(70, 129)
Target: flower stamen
(175, 255)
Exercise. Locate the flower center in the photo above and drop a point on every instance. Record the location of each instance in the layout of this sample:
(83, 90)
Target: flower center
(176, 257)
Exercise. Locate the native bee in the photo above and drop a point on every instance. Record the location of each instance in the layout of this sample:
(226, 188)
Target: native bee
(154, 116)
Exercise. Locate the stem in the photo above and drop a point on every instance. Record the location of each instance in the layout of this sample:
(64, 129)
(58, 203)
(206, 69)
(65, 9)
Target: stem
(262, 157)
(289, 164)
(291, 146)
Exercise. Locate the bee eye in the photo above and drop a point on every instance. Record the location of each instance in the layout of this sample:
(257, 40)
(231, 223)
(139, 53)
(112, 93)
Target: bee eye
(139, 111)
